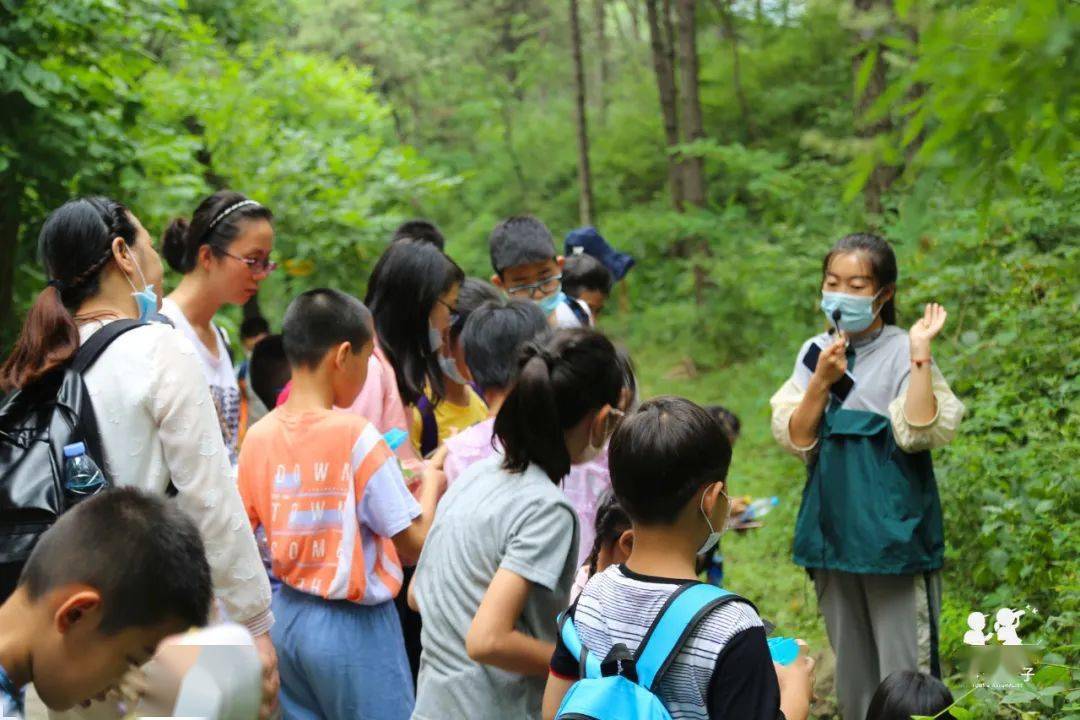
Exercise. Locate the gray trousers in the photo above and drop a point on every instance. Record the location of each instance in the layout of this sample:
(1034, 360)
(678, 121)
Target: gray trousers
(877, 625)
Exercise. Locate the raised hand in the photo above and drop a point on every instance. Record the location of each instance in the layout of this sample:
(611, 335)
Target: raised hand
(926, 329)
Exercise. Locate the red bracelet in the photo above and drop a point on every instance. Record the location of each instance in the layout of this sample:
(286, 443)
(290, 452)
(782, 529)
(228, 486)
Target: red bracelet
(921, 362)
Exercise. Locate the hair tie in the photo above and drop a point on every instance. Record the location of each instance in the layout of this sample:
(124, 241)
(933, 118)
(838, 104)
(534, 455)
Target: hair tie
(536, 351)
(225, 213)
(60, 285)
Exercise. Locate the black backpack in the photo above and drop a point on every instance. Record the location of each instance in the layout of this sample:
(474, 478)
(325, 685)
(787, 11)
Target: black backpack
(36, 423)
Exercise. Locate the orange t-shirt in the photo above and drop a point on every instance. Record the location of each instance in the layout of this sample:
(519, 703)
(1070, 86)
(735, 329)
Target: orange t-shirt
(329, 493)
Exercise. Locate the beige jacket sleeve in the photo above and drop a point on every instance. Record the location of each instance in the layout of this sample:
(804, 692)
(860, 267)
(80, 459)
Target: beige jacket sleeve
(198, 464)
(784, 402)
(934, 434)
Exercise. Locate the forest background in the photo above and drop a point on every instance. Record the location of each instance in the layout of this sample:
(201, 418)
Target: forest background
(724, 143)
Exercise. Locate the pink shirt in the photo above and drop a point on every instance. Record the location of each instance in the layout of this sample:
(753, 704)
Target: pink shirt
(583, 487)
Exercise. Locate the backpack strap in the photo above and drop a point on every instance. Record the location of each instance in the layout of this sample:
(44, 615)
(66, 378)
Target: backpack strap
(225, 339)
(90, 350)
(429, 426)
(589, 664)
(686, 607)
(579, 312)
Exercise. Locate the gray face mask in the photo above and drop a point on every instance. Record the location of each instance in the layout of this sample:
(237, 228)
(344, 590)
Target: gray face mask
(449, 367)
(714, 535)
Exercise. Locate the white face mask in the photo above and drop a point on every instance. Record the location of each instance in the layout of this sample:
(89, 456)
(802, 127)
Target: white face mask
(714, 536)
(434, 338)
(589, 453)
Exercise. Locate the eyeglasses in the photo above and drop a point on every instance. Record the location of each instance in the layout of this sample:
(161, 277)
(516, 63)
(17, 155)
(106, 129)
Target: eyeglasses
(453, 310)
(257, 267)
(545, 287)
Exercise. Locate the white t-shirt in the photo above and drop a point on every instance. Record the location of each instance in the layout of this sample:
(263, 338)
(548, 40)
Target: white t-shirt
(219, 375)
(157, 426)
(566, 318)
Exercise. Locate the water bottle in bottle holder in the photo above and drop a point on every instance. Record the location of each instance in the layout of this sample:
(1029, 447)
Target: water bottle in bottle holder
(82, 476)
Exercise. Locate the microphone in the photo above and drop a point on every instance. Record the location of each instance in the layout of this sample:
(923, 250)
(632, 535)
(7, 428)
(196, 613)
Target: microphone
(836, 324)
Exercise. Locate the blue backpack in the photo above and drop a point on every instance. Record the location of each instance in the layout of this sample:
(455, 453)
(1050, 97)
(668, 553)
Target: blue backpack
(624, 686)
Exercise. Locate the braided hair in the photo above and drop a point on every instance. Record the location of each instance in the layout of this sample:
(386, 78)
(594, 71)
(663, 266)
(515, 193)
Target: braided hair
(611, 522)
(75, 245)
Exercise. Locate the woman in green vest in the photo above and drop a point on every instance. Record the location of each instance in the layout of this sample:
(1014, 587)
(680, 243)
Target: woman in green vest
(863, 408)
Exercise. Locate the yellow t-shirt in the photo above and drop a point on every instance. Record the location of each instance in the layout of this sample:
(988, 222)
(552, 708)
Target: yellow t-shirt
(450, 418)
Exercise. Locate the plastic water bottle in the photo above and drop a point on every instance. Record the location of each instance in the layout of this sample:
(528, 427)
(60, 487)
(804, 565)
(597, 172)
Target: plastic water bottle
(759, 508)
(82, 476)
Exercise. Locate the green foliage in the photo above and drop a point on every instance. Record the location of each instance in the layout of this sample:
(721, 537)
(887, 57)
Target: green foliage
(990, 90)
(345, 117)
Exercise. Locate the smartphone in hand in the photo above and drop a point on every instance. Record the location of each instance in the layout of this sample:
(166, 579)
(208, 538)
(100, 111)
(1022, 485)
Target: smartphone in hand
(842, 387)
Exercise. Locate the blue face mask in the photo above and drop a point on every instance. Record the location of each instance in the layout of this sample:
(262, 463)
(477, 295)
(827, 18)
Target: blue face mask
(856, 311)
(551, 302)
(450, 369)
(145, 299)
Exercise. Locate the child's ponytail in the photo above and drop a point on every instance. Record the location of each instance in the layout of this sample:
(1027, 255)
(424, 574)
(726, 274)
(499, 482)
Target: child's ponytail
(575, 372)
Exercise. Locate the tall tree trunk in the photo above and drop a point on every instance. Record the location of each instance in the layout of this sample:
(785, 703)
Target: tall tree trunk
(585, 197)
(635, 17)
(665, 83)
(727, 20)
(511, 150)
(600, 20)
(694, 167)
(882, 176)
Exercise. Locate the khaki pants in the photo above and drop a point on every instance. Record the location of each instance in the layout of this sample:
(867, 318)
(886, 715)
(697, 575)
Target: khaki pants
(877, 625)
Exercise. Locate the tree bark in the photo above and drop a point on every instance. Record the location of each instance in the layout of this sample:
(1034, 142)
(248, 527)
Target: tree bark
(603, 70)
(585, 196)
(882, 176)
(635, 17)
(665, 83)
(694, 167)
(727, 20)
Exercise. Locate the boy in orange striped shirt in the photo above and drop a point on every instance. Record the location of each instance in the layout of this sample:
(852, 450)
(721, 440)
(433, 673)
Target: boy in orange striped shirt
(339, 521)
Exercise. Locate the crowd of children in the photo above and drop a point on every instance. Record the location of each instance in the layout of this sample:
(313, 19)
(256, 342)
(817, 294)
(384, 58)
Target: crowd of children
(462, 505)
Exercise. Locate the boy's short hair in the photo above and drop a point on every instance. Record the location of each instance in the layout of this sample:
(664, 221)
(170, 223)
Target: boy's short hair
(422, 230)
(662, 455)
(584, 272)
(321, 319)
(254, 327)
(269, 369)
(494, 333)
(520, 240)
(474, 292)
(143, 554)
